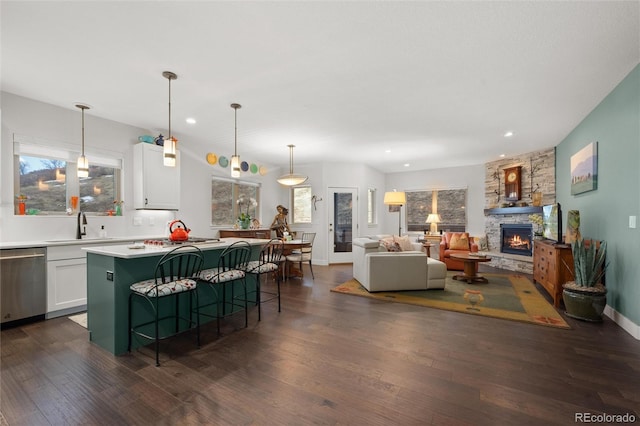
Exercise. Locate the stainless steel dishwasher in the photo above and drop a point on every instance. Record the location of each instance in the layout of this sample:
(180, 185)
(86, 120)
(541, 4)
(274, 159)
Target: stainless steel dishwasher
(23, 285)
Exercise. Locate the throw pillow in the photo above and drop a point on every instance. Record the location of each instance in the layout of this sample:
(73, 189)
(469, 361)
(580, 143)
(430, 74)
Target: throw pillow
(404, 243)
(481, 242)
(390, 245)
(459, 242)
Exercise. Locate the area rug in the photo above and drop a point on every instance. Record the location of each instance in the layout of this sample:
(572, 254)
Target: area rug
(80, 319)
(510, 297)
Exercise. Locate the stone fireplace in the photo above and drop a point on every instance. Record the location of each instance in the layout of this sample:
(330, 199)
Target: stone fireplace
(516, 239)
(538, 176)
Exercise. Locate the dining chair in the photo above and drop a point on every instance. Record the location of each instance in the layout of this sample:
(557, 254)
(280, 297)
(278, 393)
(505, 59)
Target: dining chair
(268, 263)
(176, 273)
(231, 268)
(305, 252)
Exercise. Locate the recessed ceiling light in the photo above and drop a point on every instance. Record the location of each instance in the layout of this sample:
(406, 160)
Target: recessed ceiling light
(407, 164)
(191, 120)
(508, 134)
(387, 151)
(502, 155)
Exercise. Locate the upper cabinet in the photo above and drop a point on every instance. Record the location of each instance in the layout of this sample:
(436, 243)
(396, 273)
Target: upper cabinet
(155, 186)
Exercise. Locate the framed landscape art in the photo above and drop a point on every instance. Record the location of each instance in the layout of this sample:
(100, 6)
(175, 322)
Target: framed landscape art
(584, 169)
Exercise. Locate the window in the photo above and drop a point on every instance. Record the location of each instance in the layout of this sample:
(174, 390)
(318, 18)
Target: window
(449, 203)
(43, 182)
(301, 199)
(371, 207)
(230, 198)
(46, 176)
(99, 191)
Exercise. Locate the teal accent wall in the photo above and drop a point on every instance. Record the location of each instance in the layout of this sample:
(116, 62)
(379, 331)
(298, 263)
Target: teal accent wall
(604, 213)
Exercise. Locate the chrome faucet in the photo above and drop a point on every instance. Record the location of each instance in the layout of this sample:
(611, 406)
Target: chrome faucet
(79, 232)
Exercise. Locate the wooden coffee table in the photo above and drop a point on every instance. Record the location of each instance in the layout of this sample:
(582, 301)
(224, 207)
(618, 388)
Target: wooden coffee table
(470, 266)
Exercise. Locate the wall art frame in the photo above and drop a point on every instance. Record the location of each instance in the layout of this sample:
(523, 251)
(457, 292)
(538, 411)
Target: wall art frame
(584, 169)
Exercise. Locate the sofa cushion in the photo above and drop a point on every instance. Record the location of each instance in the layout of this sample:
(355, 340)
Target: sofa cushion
(390, 244)
(404, 243)
(481, 242)
(459, 242)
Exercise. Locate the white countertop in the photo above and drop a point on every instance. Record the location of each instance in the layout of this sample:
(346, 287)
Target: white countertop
(131, 251)
(70, 241)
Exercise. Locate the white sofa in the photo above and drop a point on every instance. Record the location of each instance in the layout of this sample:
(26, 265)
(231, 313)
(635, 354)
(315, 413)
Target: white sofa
(379, 270)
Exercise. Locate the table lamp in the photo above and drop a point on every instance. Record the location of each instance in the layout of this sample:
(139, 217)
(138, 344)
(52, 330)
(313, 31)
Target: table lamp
(433, 219)
(396, 198)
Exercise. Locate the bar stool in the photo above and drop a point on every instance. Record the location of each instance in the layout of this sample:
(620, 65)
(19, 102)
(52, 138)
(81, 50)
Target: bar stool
(176, 273)
(269, 262)
(231, 269)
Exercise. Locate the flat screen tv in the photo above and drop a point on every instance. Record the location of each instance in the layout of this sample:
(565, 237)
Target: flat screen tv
(552, 222)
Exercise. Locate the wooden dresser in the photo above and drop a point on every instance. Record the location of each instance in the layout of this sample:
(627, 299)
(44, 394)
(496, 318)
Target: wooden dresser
(549, 268)
(246, 233)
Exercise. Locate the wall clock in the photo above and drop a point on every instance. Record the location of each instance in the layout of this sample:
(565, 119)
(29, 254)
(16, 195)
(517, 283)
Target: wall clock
(512, 183)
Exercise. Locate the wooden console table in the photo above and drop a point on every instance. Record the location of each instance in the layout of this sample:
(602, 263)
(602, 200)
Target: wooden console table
(549, 270)
(246, 233)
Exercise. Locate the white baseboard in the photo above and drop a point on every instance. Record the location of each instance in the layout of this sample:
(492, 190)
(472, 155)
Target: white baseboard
(627, 325)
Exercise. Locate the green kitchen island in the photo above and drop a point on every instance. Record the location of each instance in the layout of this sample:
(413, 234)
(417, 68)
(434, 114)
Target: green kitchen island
(112, 269)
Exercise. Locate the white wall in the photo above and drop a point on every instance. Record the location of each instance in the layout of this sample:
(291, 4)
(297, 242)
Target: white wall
(60, 125)
(470, 177)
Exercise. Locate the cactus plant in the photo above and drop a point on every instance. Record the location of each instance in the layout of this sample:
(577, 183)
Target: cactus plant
(585, 298)
(589, 262)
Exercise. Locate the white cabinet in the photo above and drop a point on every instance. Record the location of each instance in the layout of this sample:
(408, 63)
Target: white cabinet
(66, 280)
(155, 186)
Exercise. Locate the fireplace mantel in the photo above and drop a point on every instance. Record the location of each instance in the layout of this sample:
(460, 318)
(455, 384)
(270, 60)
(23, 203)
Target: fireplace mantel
(513, 210)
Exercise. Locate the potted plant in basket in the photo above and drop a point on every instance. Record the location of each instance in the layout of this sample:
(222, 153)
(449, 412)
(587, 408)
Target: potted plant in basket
(585, 297)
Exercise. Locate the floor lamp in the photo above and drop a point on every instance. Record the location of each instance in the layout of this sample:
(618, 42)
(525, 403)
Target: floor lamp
(396, 198)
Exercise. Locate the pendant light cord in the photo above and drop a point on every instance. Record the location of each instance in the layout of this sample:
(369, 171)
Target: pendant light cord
(291, 159)
(83, 131)
(170, 136)
(235, 144)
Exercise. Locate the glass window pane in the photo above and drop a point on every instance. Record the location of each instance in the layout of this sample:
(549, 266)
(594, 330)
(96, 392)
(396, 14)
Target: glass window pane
(99, 190)
(301, 204)
(247, 201)
(450, 205)
(229, 199)
(43, 182)
(222, 205)
(371, 206)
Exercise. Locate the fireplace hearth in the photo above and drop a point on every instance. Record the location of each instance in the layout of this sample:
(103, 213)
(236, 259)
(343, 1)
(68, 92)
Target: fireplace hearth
(516, 239)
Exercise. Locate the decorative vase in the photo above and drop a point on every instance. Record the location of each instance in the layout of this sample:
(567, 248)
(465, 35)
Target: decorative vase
(586, 305)
(573, 227)
(244, 223)
(22, 208)
(536, 199)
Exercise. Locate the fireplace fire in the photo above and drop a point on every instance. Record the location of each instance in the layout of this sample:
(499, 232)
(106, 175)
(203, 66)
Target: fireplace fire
(516, 239)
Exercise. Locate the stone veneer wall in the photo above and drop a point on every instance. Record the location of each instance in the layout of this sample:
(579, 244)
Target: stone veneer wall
(544, 180)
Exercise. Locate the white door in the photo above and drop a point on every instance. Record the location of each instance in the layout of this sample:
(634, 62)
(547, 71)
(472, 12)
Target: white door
(343, 223)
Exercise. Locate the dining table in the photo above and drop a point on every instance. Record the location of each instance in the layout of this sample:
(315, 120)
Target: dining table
(290, 247)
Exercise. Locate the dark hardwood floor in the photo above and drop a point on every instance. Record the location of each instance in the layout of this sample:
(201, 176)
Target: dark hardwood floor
(327, 358)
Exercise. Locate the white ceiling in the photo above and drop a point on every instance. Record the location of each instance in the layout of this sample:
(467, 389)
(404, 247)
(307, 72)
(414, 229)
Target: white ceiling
(437, 83)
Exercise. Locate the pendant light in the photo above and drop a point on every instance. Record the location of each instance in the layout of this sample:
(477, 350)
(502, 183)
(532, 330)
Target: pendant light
(235, 158)
(83, 164)
(291, 179)
(170, 143)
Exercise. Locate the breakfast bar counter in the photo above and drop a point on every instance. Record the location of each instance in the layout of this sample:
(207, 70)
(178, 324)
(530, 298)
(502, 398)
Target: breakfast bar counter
(112, 269)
